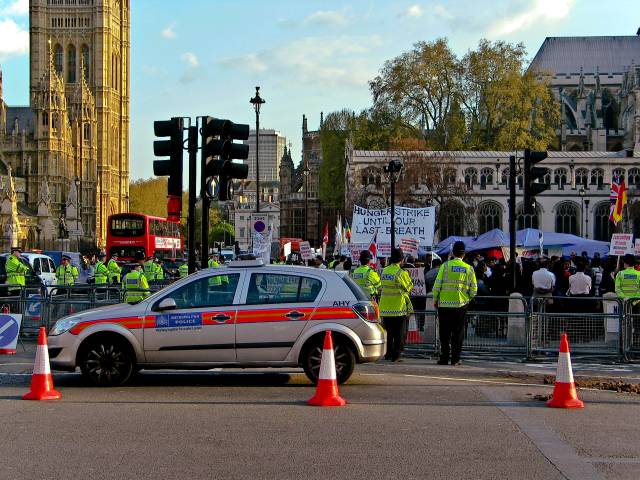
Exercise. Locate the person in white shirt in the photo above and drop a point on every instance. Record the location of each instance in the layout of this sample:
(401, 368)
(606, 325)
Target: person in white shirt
(543, 280)
(579, 283)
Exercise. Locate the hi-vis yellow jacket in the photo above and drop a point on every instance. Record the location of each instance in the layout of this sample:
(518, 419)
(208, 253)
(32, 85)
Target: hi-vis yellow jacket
(455, 285)
(396, 287)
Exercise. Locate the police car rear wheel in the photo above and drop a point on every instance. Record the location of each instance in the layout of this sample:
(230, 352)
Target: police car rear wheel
(107, 362)
(344, 357)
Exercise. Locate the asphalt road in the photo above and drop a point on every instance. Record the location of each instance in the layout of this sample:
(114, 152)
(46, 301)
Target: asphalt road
(412, 420)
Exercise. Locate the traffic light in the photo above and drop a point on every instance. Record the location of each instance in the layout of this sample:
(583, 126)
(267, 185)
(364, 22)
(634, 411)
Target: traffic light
(532, 174)
(218, 141)
(172, 167)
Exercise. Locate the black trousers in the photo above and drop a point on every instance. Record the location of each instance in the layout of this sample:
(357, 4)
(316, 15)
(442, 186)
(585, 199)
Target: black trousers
(451, 323)
(396, 328)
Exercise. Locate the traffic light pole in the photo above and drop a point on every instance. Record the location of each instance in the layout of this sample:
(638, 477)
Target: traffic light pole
(206, 205)
(512, 220)
(191, 223)
(393, 211)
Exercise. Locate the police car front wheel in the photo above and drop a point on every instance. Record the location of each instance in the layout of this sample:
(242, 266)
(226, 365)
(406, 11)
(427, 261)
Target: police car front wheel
(344, 356)
(106, 361)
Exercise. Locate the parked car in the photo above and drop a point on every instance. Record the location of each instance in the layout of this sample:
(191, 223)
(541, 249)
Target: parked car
(244, 314)
(43, 266)
(228, 255)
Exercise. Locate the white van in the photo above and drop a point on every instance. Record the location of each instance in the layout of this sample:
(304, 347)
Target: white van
(43, 267)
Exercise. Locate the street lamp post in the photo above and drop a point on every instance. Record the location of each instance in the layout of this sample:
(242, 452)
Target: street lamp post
(306, 172)
(257, 102)
(393, 169)
(581, 192)
(78, 214)
(586, 218)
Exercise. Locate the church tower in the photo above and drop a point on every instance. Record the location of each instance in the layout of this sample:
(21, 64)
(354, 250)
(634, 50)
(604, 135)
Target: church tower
(87, 42)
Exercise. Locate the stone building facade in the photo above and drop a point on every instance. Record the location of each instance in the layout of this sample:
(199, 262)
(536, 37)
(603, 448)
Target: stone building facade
(577, 202)
(596, 81)
(74, 136)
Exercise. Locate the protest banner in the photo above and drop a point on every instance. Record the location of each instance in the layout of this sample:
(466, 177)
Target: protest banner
(416, 223)
(637, 247)
(621, 244)
(417, 277)
(262, 247)
(409, 247)
(305, 251)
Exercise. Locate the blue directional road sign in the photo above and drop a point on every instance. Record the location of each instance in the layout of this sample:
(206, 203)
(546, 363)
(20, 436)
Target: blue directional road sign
(9, 330)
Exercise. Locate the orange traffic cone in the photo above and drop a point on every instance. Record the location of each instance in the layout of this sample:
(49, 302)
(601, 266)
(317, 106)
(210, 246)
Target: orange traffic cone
(327, 394)
(413, 335)
(41, 381)
(564, 392)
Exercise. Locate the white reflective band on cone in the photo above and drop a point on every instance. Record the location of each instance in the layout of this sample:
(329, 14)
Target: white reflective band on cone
(565, 374)
(327, 366)
(41, 365)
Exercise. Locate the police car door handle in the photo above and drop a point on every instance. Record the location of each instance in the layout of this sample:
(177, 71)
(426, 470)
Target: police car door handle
(294, 315)
(221, 317)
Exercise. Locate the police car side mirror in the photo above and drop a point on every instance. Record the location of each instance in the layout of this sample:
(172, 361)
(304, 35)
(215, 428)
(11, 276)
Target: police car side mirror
(166, 304)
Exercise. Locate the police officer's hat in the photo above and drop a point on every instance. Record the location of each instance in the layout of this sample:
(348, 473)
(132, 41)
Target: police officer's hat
(459, 248)
(16, 249)
(150, 257)
(365, 256)
(101, 255)
(66, 257)
(629, 259)
(139, 256)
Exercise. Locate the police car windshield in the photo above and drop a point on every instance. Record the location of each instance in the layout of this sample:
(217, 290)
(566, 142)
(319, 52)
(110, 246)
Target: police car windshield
(355, 289)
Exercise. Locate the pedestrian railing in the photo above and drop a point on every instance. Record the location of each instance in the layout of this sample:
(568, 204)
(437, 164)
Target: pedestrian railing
(593, 325)
(631, 331)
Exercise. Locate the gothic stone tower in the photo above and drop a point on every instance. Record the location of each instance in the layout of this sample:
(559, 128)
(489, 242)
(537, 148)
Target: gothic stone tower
(87, 43)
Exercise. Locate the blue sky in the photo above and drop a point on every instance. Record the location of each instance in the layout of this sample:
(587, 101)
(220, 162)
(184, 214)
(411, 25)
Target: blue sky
(204, 57)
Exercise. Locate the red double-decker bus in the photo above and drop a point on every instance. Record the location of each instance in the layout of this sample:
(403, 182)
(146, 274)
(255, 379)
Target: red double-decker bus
(129, 233)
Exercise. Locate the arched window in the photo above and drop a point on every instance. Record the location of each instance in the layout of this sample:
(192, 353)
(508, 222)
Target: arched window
(547, 177)
(86, 61)
(71, 64)
(560, 178)
(470, 177)
(57, 58)
(451, 219)
(489, 216)
(527, 220)
(634, 177)
(617, 172)
(582, 178)
(505, 176)
(567, 218)
(378, 181)
(486, 177)
(602, 225)
(449, 176)
(597, 178)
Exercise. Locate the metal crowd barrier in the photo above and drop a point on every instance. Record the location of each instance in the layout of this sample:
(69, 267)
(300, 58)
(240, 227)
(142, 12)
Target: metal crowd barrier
(631, 332)
(594, 325)
(493, 325)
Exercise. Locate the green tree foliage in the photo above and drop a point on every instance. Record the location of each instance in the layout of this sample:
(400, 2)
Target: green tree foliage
(222, 232)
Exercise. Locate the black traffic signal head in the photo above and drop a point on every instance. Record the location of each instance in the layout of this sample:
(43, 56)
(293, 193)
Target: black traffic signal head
(532, 174)
(172, 148)
(226, 171)
(394, 166)
(218, 136)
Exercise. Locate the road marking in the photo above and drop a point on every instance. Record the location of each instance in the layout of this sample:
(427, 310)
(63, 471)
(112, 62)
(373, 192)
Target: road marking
(15, 374)
(632, 461)
(559, 453)
(475, 380)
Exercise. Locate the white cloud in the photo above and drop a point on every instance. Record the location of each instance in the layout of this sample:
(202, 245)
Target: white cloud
(328, 18)
(169, 33)
(334, 61)
(190, 59)
(537, 11)
(14, 40)
(441, 11)
(16, 8)
(414, 11)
